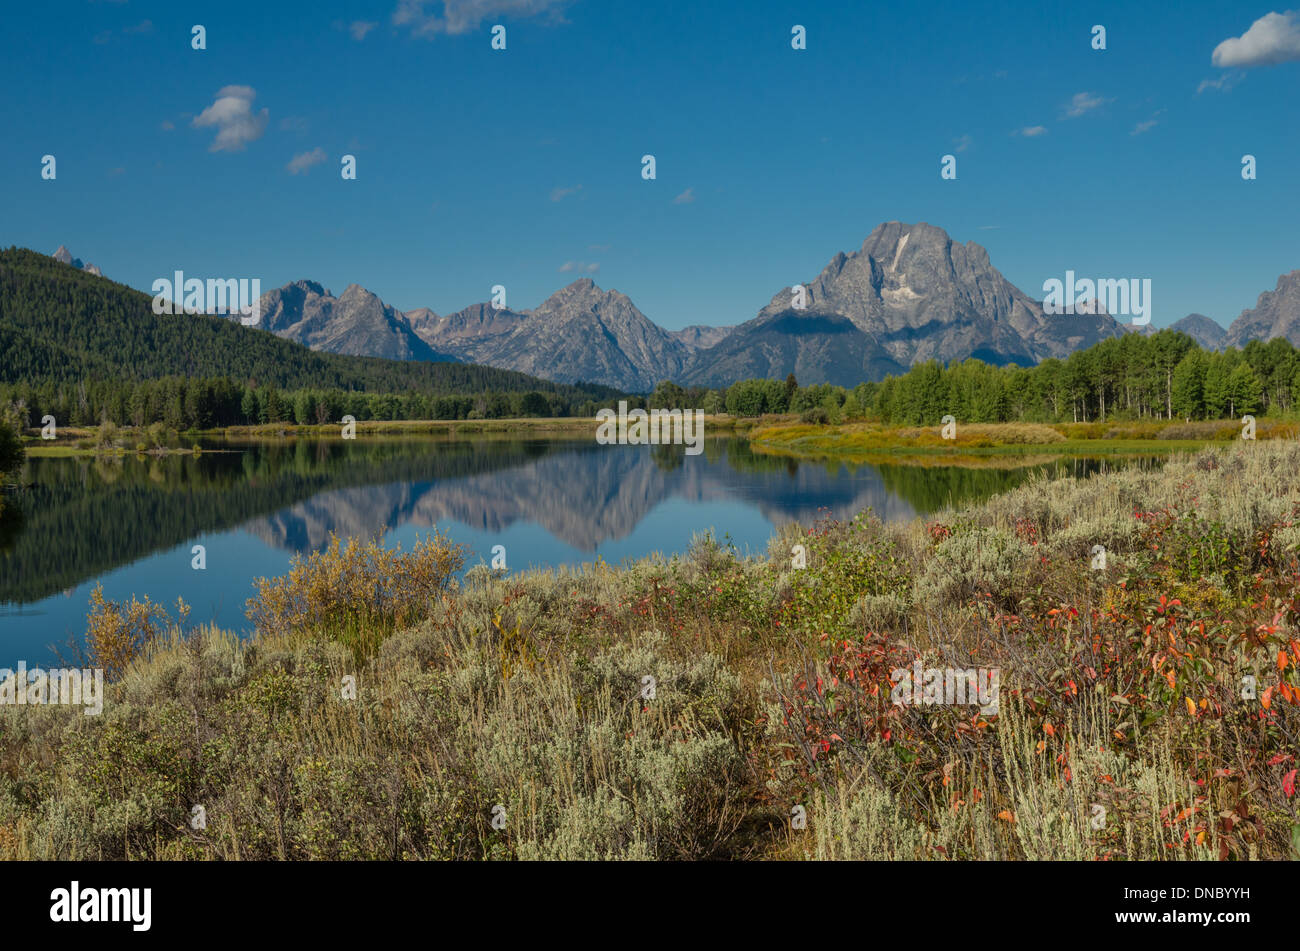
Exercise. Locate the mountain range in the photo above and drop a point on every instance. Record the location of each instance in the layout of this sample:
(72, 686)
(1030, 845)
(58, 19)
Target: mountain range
(910, 293)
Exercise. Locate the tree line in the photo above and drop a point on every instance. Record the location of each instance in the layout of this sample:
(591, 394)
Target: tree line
(1159, 376)
(180, 403)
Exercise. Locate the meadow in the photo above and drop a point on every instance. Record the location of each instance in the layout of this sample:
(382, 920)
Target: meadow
(709, 706)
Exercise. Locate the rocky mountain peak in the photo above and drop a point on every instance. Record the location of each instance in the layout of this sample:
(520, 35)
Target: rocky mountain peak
(1276, 314)
(909, 294)
(64, 256)
(356, 323)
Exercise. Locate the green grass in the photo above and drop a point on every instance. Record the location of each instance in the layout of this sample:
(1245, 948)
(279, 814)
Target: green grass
(866, 440)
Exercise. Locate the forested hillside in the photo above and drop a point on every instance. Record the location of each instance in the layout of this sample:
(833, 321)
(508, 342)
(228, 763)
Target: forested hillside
(66, 331)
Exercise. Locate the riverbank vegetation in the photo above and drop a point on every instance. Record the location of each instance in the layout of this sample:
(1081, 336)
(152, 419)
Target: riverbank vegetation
(11, 447)
(972, 441)
(682, 708)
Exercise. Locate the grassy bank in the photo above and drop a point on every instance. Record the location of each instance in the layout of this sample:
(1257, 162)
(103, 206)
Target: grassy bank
(787, 436)
(1149, 707)
(81, 441)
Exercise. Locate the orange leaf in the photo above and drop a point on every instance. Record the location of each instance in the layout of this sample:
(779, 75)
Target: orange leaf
(1191, 705)
(1281, 660)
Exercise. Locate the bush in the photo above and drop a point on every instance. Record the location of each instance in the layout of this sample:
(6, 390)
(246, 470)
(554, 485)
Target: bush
(356, 593)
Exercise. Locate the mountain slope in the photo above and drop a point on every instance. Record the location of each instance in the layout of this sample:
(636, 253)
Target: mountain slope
(356, 323)
(1276, 314)
(470, 334)
(1207, 333)
(578, 333)
(911, 294)
(700, 337)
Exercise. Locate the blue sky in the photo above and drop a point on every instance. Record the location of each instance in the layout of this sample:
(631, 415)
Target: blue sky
(478, 167)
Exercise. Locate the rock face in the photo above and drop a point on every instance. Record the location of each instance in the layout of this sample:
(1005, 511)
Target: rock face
(910, 294)
(65, 256)
(1276, 314)
(579, 333)
(356, 323)
(1207, 333)
(700, 337)
(472, 334)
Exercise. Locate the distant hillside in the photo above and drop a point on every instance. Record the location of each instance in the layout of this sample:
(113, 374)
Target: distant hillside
(1208, 334)
(61, 324)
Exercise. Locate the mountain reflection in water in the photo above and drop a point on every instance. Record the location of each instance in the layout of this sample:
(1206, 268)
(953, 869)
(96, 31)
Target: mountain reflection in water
(131, 522)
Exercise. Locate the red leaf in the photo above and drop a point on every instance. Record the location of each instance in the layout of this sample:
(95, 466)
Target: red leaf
(1288, 784)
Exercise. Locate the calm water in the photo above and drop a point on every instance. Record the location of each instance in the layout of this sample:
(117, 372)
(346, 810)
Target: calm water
(130, 523)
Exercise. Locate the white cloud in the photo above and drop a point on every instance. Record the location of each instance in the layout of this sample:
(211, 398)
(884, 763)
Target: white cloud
(559, 194)
(1083, 102)
(360, 28)
(167, 125)
(293, 124)
(232, 114)
(685, 198)
(1224, 82)
(1273, 38)
(1145, 126)
(305, 160)
(962, 143)
(1031, 131)
(462, 16)
(571, 267)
